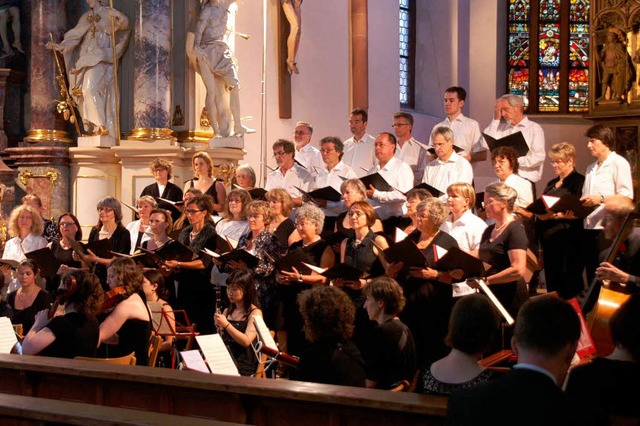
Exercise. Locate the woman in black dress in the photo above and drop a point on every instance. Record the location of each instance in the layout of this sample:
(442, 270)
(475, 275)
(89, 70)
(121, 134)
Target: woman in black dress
(315, 251)
(196, 295)
(237, 321)
(280, 207)
(204, 181)
(561, 239)
(76, 332)
(29, 298)
(69, 227)
(428, 291)
(504, 247)
(109, 227)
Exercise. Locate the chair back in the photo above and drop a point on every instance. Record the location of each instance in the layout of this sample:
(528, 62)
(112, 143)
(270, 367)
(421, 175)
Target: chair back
(124, 360)
(403, 386)
(154, 350)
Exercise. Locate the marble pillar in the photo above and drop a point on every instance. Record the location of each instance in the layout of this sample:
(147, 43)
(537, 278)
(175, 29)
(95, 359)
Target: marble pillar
(152, 86)
(11, 112)
(47, 16)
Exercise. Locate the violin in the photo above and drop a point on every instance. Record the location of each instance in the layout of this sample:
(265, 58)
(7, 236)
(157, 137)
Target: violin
(113, 297)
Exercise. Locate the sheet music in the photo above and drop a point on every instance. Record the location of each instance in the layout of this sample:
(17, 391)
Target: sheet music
(217, 355)
(439, 252)
(400, 235)
(160, 323)
(496, 302)
(211, 253)
(7, 336)
(194, 361)
(263, 333)
(314, 268)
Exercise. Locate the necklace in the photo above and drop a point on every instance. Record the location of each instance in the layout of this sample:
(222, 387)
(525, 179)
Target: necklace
(499, 228)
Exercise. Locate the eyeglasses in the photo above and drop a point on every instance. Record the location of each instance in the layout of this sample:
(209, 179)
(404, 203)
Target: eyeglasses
(158, 221)
(279, 154)
(400, 124)
(301, 133)
(192, 211)
(327, 151)
(66, 224)
(356, 214)
(105, 209)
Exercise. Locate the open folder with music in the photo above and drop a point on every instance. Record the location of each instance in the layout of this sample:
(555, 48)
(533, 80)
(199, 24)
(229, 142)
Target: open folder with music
(559, 203)
(377, 181)
(8, 337)
(514, 140)
(268, 346)
(45, 258)
(219, 360)
(327, 193)
(341, 270)
(238, 255)
(101, 248)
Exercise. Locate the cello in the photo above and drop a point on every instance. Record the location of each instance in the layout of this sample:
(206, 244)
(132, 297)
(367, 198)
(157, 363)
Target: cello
(611, 296)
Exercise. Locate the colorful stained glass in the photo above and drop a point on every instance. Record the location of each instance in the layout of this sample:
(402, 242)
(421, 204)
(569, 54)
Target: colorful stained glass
(579, 11)
(549, 90)
(519, 82)
(518, 10)
(578, 90)
(549, 45)
(403, 47)
(550, 10)
(519, 46)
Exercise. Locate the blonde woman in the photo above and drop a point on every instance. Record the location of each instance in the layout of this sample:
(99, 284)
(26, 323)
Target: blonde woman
(204, 181)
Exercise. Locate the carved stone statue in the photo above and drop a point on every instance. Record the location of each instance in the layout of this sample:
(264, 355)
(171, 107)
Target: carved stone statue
(216, 63)
(616, 67)
(88, 54)
(293, 13)
(9, 11)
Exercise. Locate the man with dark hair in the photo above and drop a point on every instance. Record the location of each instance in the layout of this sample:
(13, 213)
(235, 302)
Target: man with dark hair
(358, 149)
(466, 132)
(545, 339)
(509, 118)
(288, 175)
(408, 149)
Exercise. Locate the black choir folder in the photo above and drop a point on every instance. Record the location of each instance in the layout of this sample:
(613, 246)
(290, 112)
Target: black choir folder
(341, 270)
(377, 181)
(560, 204)
(175, 250)
(142, 256)
(295, 259)
(407, 252)
(514, 140)
(239, 255)
(433, 191)
(45, 258)
(455, 258)
(101, 248)
(326, 193)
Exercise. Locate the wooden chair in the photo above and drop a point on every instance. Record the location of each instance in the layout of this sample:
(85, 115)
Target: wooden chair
(123, 360)
(402, 387)
(154, 350)
(17, 328)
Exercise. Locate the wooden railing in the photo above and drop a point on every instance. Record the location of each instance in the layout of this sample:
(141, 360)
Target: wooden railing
(232, 399)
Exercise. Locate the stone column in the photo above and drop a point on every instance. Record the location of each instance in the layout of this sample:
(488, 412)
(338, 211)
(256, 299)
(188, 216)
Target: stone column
(152, 87)
(47, 16)
(359, 54)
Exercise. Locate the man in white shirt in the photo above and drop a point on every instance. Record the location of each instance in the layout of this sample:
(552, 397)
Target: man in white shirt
(409, 150)
(358, 149)
(396, 172)
(511, 109)
(333, 174)
(466, 131)
(448, 167)
(288, 175)
(306, 154)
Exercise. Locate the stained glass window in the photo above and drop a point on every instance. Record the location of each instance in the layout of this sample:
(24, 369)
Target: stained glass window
(561, 60)
(406, 48)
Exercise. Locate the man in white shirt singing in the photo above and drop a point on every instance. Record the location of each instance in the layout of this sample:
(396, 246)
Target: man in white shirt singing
(409, 150)
(396, 172)
(306, 154)
(288, 175)
(358, 149)
(448, 167)
(511, 109)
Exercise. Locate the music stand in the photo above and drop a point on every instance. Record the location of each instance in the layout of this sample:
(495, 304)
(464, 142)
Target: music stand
(265, 339)
(166, 325)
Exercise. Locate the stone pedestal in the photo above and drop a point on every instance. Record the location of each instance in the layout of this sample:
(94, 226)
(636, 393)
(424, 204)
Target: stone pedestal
(96, 141)
(43, 171)
(236, 142)
(11, 112)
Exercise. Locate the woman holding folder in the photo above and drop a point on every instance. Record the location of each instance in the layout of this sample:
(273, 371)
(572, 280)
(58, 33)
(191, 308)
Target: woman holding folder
(69, 228)
(561, 238)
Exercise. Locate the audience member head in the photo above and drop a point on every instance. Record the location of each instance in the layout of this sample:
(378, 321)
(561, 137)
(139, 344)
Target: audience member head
(414, 197)
(256, 209)
(463, 194)
(160, 221)
(431, 213)
(602, 133)
(328, 314)
(546, 334)
(616, 209)
(25, 220)
(358, 122)
(153, 285)
(309, 220)
(384, 298)
(442, 141)
(360, 208)
(303, 133)
(473, 324)
(563, 158)
(284, 153)
(500, 193)
(512, 108)
(28, 273)
(200, 208)
(332, 149)
(353, 190)
(34, 201)
(81, 290)
(385, 147)
(236, 203)
(505, 161)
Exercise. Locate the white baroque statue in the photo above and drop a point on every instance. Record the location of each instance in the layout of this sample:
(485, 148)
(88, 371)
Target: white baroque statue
(88, 54)
(211, 56)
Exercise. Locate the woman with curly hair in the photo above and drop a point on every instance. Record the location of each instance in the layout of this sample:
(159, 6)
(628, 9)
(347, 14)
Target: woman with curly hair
(128, 326)
(332, 358)
(76, 332)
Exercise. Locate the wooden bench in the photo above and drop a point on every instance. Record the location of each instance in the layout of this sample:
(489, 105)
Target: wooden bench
(232, 399)
(27, 410)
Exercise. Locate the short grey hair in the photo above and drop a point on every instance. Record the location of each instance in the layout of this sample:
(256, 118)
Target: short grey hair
(446, 133)
(437, 210)
(502, 192)
(313, 214)
(514, 100)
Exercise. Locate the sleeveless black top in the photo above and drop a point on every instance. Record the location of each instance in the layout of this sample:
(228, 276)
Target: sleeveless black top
(245, 359)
